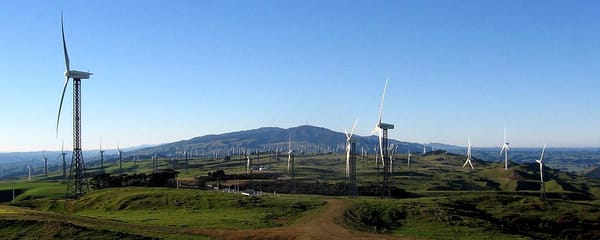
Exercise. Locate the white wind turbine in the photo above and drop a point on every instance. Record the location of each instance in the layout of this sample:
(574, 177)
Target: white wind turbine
(382, 129)
(392, 151)
(29, 170)
(248, 163)
(468, 161)
(349, 146)
(408, 163)
(64, 162)
(101, 152)
(290, 151)
(541, 163)
(378, 126)
(75, 184)
(120, 158)
(505, 149)
(45, 159)
(291, 164)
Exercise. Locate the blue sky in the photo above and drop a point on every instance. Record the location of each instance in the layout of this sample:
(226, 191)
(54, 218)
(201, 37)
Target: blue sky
(171, 70)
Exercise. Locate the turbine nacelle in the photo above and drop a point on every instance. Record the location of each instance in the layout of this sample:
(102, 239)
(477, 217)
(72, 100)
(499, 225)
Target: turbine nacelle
(74, 74)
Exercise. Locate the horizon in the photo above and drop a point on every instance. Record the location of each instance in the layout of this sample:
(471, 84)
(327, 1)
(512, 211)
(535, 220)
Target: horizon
(141, 146)
(170, 71)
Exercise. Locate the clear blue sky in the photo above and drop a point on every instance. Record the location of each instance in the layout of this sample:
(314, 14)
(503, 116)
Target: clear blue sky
(172, 70)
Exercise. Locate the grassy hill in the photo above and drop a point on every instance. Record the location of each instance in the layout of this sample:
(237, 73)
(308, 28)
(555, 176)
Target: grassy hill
(444, 200)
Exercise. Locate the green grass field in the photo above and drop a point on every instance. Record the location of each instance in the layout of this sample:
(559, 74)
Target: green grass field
(488, 203)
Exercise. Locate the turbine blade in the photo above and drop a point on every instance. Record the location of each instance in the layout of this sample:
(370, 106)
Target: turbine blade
(353, 127)
(65, 45)
(347, 136)
(542, 157)
(61, 102)
(382, 100)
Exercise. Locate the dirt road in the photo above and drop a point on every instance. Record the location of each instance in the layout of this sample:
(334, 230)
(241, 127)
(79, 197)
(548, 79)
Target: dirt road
(321, 224)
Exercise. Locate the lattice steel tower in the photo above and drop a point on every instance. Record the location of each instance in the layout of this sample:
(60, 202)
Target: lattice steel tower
(77, 184)
(352, 188)
(386, 160)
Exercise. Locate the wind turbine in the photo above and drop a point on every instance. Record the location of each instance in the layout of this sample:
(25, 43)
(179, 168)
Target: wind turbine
(351, 161)
(382, 130)
(248, 164)
(101, 156)
(505, 148)
(393, 150)
(64, 162)
(408, 163)
(45, 159)
(290, 151)
(29, 170)
(154, 163)
(291, 164)
(541, 163)
(349, 146)
(469, 162)
(120, 158)
(468, 155)
(77, 172)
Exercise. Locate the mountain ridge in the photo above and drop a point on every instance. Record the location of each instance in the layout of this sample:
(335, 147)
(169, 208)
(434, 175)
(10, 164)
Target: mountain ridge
(309, 138)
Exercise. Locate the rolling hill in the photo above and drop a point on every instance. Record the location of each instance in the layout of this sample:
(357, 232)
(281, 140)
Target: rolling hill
(304, 138)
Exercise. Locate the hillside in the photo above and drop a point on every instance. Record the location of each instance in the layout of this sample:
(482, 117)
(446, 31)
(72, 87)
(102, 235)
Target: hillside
(304, 138)
(435, 198)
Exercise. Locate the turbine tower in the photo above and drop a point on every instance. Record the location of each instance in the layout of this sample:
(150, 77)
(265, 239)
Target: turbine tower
(154, 163)
(291, 164)
(120, 153)
(290, 150)
(351, 162)
(64, 161)
(541, 163)
(248, 164)
(29, 170)
(349, 149)
(382, 129)
(45, 159)
(393, 149)
(101, 156)
(408, 163)
(75, 185)
(505, 149)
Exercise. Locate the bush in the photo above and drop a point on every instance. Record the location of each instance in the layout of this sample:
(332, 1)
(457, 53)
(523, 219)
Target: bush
(373, 218)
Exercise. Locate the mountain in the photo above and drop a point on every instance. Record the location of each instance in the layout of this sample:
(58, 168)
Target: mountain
(304, 138)
(592, 173)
